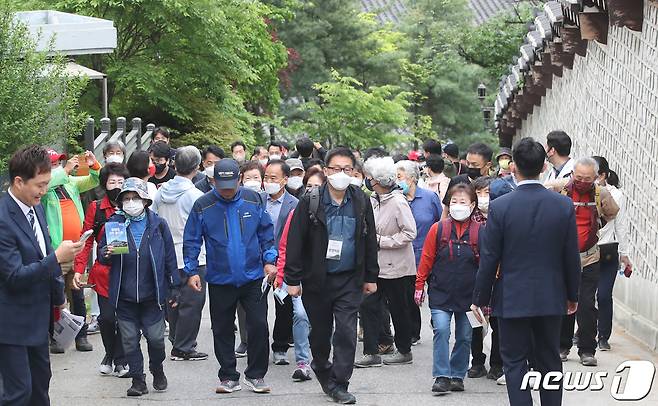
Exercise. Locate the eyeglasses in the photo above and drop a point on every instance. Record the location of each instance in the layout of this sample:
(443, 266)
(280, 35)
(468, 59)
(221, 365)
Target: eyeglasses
(348, 170)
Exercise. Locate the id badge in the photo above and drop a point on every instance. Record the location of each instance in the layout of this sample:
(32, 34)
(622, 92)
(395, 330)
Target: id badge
(334, 248)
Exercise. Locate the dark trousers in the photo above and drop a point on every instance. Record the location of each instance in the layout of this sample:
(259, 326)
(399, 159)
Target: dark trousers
(242, 324)
(395, 291)
(110, 334)
(223, 303)
(516, 343)
(608, 274)
(76, 299)
(282, 333)
(414, 311)
(477, 346)
(586, 315)
(338, 303)
(185, 318)
(385, 334)
(25, 373)
(134, 320)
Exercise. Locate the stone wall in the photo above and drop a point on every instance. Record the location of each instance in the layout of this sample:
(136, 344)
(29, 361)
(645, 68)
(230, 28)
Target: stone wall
(608, 104)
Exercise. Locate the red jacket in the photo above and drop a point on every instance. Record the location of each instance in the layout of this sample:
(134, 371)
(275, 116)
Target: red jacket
(99, 274)
(281, 261)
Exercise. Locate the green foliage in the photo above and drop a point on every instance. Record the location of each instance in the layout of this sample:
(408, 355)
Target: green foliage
(347, 115)
(38, 101)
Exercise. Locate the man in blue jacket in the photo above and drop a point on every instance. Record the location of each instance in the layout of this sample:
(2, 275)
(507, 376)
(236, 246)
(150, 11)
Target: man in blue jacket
(31, 280)
(239, 241)
(530, 276)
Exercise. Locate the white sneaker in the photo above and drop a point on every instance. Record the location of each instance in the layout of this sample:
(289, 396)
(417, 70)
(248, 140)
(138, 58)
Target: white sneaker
(106, 366)
(501, 380)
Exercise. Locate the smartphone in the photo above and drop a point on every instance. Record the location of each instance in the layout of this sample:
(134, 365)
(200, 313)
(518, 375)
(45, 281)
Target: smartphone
(86, 235)
(87, 285)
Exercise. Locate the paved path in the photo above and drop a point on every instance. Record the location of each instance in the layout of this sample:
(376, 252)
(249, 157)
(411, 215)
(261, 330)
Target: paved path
(77, 382)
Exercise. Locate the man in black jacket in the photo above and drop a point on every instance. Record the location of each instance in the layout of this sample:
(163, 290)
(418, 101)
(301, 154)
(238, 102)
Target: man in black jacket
(332, 252)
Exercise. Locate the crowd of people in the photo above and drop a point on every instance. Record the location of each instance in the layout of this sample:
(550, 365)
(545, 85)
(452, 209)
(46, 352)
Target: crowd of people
(348, 241)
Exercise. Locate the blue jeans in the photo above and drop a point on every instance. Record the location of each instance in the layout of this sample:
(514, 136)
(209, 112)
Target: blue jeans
(455, 364)
(300, 331)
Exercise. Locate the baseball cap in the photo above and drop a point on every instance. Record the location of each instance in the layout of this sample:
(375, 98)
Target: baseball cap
(452, 150)
(227, 174)
(55, 156)
(413, 155)
(295, 163)
(504, 151)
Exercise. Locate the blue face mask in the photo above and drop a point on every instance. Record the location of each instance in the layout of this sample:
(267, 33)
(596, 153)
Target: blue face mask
(404, 186)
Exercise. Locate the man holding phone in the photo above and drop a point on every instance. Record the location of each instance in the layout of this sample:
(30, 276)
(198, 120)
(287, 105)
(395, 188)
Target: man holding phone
(65, 216)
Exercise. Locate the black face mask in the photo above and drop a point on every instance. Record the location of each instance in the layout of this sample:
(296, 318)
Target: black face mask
(159, 168)
(368, 185)
(113, 194)
(474, 173)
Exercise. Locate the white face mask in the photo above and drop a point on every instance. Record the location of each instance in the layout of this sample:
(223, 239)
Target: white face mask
(210, 172)
(253, 185)
(275, 157)
(263, 162)
(295, 182)
(460, 212)
(356, 182)
(134, 207)
(239, 157)
(483, 204)
(114, 159)
(271, 188)
(340, 180)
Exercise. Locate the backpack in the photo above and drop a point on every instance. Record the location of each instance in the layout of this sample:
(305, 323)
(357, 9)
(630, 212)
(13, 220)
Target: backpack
(473, 235)
(314, 204)
(99, 218)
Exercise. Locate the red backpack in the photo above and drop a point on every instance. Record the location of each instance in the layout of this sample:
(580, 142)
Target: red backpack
(473, 234)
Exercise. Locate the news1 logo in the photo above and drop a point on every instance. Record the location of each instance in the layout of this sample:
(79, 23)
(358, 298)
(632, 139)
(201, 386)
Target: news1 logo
(638, 381)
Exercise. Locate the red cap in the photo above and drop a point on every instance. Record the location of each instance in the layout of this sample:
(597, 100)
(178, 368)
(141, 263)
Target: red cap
(55, 156)
(413, 155)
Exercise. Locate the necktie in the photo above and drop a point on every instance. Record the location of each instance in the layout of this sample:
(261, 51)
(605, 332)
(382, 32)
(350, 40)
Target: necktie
(30, 217)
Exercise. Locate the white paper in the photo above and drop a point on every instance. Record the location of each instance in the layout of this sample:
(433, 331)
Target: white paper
(281, 293)
(473, 320)
(334, 249)
(66, 328)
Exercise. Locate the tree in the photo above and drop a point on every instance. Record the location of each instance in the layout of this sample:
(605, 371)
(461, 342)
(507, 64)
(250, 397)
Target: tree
(38, 101)
(347, 115)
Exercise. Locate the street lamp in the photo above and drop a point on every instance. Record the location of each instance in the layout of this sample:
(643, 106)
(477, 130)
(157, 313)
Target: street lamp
(486, 111)
(482, 92)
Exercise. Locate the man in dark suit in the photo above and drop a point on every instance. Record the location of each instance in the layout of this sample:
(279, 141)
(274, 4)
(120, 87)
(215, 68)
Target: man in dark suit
(279, 204)
(31, 280)
(529, 272)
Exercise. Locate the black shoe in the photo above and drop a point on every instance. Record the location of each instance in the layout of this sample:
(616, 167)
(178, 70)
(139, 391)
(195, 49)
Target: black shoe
(495, 373)
(82, 344)
(241, 351)
(456, 385)
(477, 371)
(178, 355)
(441, 385)
(139, 387)
(604, 345)
(343, 397)
(159, 381)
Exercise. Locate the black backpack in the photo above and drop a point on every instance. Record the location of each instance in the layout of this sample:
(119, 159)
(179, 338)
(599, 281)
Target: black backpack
(99, 218)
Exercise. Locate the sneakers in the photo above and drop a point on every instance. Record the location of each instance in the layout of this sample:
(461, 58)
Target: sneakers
(257, 385)
(177, 355)
(302, 373)
(368, 361)
(83, 345)
(456, 385)
(501, 380)
(106, 366)
(604, 345)
(588, 359)
(564, 354)
(55, 348)
(398, 358)
(415, 341)
(441, 385)
(93, 327)
(495, 373)
(385, 349)
(228, 387)
(138, 387)
(159, 381)
(342, 397)
(241, 351)
(477, 371)
(122, 370)
(279, 358)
